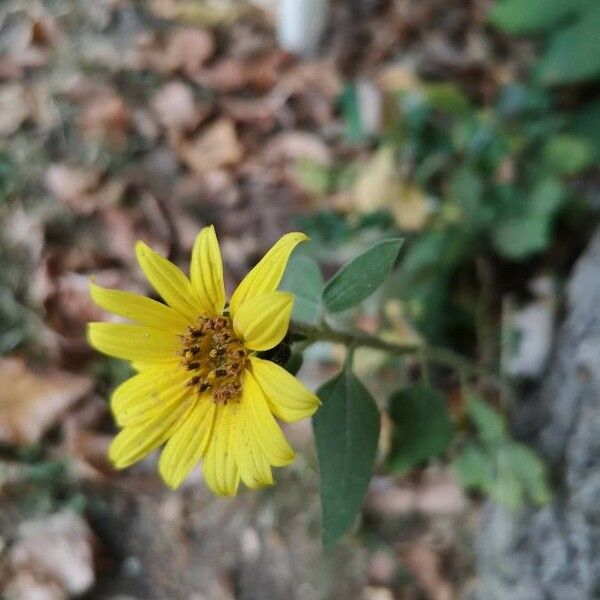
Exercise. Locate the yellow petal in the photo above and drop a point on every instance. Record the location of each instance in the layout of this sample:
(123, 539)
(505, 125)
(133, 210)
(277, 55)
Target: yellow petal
(133, 443)
(255, 470)
(174, 287)
(139, 308)
(220, 467)
(262, 322)
(133, 342)
(268, 434)
(266, 275)
(287, 397)
(140, 397)
(187, 445)
(206, 270)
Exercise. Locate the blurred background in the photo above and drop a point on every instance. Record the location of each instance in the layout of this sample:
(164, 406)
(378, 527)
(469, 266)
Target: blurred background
(470, 128)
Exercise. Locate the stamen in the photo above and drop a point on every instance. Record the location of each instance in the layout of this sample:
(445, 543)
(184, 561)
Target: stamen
(216, 358)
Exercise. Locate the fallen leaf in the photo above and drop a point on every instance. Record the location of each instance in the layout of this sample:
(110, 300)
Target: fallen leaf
(375, 183)
(296, 145)
(411, 207)
(32, 402)
(398, 77)
(88, 450)
(56, 549)
(205, 13)
(226, 75)
(15, 108)
(259, 112)
(424, 563)
(214, 147)
(175, 108)
(106, 118)
(66, 183)
(186, 50)
(437, 494)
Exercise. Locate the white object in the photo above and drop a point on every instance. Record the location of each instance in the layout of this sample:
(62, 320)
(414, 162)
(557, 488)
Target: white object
(300, 25)
(534, 324)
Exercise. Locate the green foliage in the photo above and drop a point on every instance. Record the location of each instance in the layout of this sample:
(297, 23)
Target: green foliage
(497, 182)
(508, 471)
(528, 231)
(573, 27)
(573, 53)
(303, 278)
(359, 278)
(516, 16)
(586, 125)
(346, 431)
(422, 426)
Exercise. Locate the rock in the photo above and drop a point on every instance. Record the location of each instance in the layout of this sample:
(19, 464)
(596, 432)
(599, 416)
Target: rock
(554, 552)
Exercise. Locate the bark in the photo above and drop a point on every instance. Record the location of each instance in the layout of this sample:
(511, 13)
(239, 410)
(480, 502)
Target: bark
(553, 553)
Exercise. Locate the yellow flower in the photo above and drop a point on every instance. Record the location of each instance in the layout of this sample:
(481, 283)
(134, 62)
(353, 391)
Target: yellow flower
(200, 388)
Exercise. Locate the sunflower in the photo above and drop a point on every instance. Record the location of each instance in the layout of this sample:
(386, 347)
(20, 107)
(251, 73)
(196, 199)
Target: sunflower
(200, 388)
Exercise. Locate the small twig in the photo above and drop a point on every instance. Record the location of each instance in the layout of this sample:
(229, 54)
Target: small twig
(431, 354)
(483, 325)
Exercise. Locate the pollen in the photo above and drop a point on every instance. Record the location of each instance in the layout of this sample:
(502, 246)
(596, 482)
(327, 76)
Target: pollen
(215, 358)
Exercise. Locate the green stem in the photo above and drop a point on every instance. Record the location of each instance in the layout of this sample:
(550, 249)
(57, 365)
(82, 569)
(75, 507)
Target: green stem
(431, 354)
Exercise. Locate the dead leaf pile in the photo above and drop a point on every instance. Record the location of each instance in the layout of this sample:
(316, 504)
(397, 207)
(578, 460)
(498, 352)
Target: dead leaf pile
(30, 402)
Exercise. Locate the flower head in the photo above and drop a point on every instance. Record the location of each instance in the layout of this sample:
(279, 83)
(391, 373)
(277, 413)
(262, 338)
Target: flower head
(200, 389)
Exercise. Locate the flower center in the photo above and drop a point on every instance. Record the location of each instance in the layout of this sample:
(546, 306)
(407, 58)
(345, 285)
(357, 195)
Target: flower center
(215, 358)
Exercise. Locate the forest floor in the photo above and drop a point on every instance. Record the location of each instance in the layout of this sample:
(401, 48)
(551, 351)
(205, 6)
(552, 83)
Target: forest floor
(123, 120)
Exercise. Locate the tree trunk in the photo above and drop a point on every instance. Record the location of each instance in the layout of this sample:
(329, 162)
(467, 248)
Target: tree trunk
(553, 553)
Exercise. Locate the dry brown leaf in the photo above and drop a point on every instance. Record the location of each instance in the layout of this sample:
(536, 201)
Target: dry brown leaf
(66, 183)
(295, 145)
(411, 207)
(373, 187)
(32, 402)
(205, 13)
(186, 50)
(106, 118)
(424, 563)
(317, 74)
(88, 450)
(258, 112)
(437, 495)
(175, 108)
(214, 147)
(55, 551)
(398, 77)
(15, 108)
(71, 185)
(226, 75)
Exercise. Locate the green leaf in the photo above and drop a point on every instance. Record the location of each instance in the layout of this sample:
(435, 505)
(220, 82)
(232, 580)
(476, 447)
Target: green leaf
(574, 52)
(351, 114)
(360, 277)
(520, 16)
(490, 425)
(510, 473)
(586, 124)
(519, 236)
(546, 197)
(448, 98)
(568, 154)
(303, 278)
(530, 471)
(466, 192)
(506, 489)
(474, 468)
(346, 430)
(422, 426)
